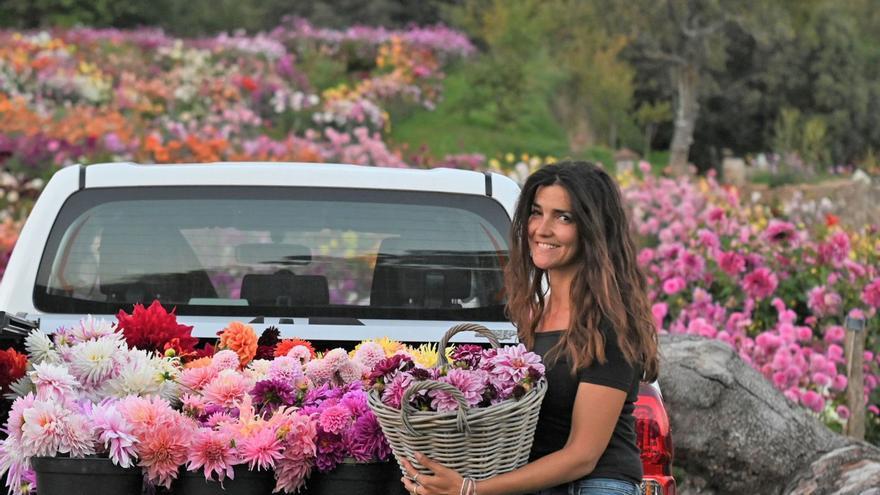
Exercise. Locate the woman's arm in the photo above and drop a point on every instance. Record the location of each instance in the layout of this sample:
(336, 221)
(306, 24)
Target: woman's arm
(594, 416)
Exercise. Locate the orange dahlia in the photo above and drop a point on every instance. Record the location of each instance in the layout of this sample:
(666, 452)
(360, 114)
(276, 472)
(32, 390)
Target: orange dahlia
(202, 362)
(241, 339)
(286, 345)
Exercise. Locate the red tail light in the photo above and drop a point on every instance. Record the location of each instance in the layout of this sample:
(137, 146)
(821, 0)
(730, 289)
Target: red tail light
(655, 441)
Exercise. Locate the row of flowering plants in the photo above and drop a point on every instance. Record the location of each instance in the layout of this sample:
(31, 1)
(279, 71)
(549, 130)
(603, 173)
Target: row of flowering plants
(86, 95)
(776, 288)
(141, 392)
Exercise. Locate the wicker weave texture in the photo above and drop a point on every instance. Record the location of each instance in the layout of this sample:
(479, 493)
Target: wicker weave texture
(476, 442)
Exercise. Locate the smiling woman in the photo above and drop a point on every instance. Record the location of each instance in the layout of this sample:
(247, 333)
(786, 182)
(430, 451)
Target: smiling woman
(577, 298)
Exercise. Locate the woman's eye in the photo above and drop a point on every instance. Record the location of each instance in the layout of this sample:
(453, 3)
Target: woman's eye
(565, 218)
(535, 212)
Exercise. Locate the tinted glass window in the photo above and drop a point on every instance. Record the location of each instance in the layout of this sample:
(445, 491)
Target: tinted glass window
(277, 252)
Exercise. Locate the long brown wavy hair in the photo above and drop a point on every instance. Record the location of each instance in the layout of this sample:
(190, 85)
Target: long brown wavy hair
(609, 287)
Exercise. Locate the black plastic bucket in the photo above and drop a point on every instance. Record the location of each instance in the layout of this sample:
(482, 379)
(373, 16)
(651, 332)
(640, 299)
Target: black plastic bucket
(85, 476)
(245, 483)
(376, 478)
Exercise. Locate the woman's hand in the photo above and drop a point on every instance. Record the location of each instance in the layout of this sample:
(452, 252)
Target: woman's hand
(441, 481)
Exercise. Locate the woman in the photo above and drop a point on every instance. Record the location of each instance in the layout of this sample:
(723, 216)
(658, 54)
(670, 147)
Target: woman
(577, 298)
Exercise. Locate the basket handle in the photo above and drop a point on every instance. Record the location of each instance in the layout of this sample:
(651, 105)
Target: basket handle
(405, 408)
(464, 327)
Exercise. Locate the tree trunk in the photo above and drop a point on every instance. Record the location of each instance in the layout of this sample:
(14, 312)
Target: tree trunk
(578, 127)
(737, 434)
(687, 82)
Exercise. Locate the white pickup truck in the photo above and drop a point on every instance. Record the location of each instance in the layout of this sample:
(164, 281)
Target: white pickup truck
(331, 253)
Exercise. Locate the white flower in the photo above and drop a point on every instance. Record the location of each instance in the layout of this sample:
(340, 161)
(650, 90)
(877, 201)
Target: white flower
(40, 348)
(137, 376)
(258, 369)
(20, 388)
(94, 361)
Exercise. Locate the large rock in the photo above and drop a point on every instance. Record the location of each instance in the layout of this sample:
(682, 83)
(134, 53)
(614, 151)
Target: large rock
(737, 434)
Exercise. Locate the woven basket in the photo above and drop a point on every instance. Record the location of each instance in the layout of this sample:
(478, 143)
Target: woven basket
(477, 442)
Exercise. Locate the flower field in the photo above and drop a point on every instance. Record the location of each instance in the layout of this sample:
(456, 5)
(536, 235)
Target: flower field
(776, 284)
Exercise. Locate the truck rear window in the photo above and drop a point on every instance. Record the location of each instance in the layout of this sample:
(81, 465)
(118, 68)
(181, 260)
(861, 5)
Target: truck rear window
(272, 251)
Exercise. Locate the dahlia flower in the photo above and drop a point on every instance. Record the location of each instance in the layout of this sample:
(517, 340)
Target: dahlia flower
(196, 378)
(227, 388)
(53, 382)
(334, 419)
(91, 328)
(471, 383)
(94, 361)
(13, 366)
(213, 452)
(40, 348)
(273, 393)
(114, 433)
(226, 359)
(285, 346)
(285, 368)
(368, 354)
(366, 441)
(152, 328)
(393, 393)
(262, 449)
(240, 338)
(162, 450)
(760, 284)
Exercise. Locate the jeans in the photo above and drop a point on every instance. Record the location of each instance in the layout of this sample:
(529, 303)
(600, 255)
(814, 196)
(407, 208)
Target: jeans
(594, 486)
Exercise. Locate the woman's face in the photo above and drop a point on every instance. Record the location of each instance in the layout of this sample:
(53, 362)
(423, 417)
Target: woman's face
(553, 235)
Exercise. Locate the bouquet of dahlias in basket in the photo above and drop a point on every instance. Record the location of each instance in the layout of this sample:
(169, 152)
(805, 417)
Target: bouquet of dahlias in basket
(476, 412)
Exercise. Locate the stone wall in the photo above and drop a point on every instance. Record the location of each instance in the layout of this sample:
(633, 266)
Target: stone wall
(856, 203)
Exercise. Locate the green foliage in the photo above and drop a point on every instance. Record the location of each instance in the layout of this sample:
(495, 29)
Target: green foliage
(449, 130)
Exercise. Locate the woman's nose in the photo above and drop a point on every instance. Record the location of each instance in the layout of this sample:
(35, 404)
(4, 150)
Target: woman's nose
(543, 227)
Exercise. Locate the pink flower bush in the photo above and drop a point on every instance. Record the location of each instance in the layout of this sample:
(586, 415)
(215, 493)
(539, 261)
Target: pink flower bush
(772, 288)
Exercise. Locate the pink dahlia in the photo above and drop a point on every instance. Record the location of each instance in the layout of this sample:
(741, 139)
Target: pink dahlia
(760, 283)
(162, 451)
(674, 285)
(335, 419)
(513, 363)
(225, 360)
(286, 368)
(778, 231)
(43, 430)
(146, 414)
(227, 388)
(471, 383)
(871, 294)
(393, 393)
(319, 371)
(213, 452)
(823, 302)
(114, 433)
(53, 382)
(731, 263)
(369, 354)
(262, 449)
(197, 378)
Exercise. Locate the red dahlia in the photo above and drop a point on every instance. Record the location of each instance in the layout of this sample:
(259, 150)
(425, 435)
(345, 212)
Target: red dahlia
(152, 328)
